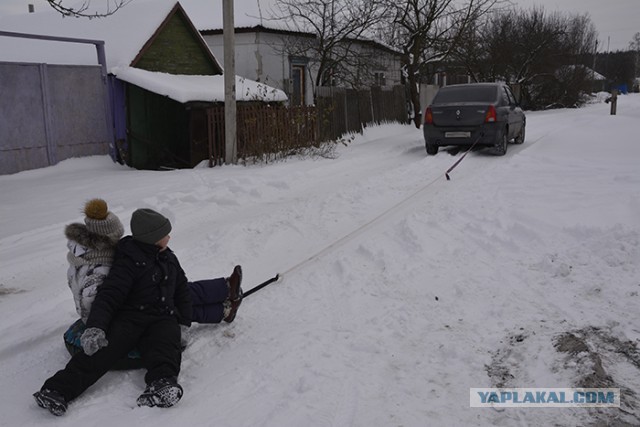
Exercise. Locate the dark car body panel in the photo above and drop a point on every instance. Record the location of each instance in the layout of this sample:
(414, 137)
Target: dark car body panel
(459, 113)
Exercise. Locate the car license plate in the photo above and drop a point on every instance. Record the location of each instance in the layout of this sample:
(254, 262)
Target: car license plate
(457, 134)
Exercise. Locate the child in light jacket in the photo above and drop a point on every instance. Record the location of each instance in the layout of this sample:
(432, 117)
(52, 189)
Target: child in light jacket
(91, 248)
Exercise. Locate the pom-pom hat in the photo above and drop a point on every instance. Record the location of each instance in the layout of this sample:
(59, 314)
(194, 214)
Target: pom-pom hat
(149, 226)
(99, 220)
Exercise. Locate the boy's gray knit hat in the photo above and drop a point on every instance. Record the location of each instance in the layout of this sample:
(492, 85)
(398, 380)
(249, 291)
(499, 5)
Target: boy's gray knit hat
(149, 226)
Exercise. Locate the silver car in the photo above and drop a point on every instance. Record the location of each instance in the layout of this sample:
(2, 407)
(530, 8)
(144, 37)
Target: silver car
(484, 114)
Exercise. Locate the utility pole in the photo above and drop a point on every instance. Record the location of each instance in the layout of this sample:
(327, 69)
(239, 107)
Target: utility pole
(230, 141)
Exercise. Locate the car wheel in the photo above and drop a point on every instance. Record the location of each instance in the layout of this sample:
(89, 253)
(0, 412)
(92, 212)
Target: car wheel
(520, 138)
(501, 148)
(431, 149)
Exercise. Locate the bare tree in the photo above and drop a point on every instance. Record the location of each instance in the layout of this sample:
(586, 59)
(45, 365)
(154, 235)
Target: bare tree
(85, 10)
(427, 31)
(330, 33)
(510, 45)
(546, 54)
(634, 46)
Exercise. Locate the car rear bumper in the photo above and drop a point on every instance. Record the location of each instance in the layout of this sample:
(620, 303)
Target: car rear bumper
(486, 135)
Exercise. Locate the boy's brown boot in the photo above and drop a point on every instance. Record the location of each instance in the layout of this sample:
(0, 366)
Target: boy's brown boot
(235, 293)
(234, 281)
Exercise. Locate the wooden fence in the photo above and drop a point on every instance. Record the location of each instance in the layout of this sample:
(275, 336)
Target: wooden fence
(264, 133)
(343, 111)
(267, 133)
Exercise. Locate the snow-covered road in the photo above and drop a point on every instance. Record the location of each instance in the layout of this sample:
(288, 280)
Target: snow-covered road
(401, 290)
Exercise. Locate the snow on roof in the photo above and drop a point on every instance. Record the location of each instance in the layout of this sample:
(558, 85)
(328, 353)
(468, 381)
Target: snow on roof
(183, 88)
(594, 75)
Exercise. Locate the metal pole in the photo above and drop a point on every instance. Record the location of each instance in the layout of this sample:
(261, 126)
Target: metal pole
(231, 154)
(108, 99)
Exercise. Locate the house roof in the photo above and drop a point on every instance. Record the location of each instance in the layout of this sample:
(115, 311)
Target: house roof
(254, 16)
(195, 34)
(207, 14)
(594, 75)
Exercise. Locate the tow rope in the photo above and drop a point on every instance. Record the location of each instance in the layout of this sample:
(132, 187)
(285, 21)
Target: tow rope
(350, 236)
(446, 174)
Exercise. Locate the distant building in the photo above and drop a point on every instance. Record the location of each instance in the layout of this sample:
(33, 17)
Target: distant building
(262, 53)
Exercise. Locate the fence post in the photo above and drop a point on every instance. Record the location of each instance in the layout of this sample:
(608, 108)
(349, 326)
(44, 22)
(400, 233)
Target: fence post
(614, 101)
(52, 144)
(373, 112)
(210, 136)
(346, 112)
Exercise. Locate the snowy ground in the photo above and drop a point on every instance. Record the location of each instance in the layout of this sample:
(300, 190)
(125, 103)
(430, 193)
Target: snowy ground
(400, 290)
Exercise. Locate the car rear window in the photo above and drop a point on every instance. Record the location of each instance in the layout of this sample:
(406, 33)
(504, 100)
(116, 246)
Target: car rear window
(451, 94)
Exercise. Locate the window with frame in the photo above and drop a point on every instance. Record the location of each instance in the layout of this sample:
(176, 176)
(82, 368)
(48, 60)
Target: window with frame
(379, 78)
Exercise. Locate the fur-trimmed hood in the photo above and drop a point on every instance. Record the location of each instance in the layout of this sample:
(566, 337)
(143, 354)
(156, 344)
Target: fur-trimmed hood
(80, 233)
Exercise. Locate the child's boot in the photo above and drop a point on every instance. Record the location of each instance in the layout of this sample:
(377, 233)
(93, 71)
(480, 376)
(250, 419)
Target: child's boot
(51, 400)
(234, 281)
(163, 393)
(235, 294)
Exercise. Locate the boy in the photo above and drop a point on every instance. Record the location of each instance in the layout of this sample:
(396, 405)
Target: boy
(141, 303)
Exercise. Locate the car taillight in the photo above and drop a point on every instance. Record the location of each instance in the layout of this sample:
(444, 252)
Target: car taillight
(428, 116)
(491, 115)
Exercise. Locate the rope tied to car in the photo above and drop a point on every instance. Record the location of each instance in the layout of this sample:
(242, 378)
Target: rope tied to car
(360, 229)
(446, 174)
(370, 223)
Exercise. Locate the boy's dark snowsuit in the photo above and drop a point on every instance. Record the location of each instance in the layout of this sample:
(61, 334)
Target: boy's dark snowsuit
(207, 297)
(141, 303)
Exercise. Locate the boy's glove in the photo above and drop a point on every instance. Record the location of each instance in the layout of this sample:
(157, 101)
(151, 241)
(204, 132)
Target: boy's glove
(92, 340)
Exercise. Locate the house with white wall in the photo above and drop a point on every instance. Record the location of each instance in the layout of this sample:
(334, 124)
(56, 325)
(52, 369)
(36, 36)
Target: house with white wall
(261, 55)
(261, 51)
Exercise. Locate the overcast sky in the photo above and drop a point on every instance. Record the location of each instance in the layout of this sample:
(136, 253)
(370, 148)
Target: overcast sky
(616, 20)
